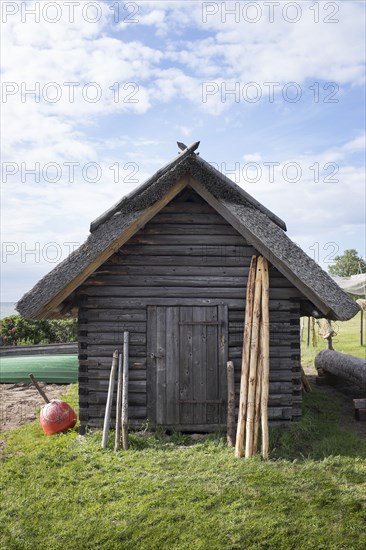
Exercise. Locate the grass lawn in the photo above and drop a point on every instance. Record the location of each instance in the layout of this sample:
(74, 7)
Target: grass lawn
(346, 341)
(66, 492)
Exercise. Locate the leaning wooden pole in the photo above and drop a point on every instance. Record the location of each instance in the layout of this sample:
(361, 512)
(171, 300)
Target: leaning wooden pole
(361, 328)
(240, 432)
(258, 397)
(265, 359)
(117, 436)
(125, 392)
(230, 404)
(308, 333)
(254, 345)
(108, 408)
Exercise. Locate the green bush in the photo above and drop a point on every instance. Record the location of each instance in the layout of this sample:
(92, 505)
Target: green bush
(15, 330)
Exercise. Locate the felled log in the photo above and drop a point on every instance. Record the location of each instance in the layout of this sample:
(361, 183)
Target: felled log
(352, 369)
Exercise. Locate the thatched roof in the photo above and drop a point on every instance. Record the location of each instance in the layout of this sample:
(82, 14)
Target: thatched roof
(263, 229)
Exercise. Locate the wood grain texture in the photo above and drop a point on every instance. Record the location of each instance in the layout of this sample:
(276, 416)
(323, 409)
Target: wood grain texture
(264, 347)
(253, 361)
(245, 357)
(177, 261)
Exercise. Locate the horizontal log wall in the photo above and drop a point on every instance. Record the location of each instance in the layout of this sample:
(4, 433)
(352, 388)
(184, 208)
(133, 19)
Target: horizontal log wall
(186, 255)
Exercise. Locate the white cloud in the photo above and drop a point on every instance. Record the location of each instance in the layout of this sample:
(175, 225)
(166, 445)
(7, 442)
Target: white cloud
(253, 157)
(165, 60)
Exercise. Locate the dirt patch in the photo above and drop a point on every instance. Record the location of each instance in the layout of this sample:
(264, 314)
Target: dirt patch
(20, 403)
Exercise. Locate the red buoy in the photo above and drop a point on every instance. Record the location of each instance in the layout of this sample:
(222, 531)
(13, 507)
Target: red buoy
(57, 416)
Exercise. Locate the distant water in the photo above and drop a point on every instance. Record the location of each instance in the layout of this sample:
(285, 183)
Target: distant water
(7, 308)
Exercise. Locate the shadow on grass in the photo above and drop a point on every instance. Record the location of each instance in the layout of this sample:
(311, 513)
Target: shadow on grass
(322, 432)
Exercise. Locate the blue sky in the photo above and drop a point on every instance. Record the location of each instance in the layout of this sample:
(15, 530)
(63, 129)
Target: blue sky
(185, 71)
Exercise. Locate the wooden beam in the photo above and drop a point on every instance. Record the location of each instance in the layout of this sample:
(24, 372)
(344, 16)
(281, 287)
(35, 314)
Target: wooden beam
(141, 220)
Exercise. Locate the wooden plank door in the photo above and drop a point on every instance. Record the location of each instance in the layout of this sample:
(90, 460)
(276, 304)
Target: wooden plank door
(186, 365)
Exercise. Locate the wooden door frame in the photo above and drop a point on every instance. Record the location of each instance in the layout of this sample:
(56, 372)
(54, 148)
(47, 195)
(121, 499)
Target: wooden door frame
(152, 350)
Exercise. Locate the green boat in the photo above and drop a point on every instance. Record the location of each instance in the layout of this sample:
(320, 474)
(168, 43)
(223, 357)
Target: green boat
(51, 369)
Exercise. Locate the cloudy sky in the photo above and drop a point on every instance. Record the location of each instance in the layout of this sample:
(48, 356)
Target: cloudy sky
(96, 94)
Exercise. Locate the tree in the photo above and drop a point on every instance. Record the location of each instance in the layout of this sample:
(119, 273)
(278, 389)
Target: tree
(350, 263)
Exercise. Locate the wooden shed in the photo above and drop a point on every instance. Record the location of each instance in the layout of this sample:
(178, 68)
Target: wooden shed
(169, 263)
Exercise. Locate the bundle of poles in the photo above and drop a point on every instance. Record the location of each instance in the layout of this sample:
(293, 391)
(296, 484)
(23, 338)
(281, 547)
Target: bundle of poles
(254, 382)
(120, 365)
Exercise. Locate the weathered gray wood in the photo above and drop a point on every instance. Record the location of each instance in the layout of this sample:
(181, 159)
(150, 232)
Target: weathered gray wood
(147, 301)
(276, 316)
(136, 373)
(352, 369)
(181, 207)
(275, 388)
(205, 275)
(100, 385)
(160, 357)
(190, 229)
(230, 405)
(187, 218)
(95, 302)
(276, 351)
(203, 240)
(112, 338)
(219, 260)
(105, 349)
(116, 326)
(98, 398)
(185, 365)
(199, 364)
(209, 278)
(113, 316)
(183, 291)
(206, 249)
(212, 375)
(163, 281)
(223, 355)
(151, 364)
(183, 219)
(172, 366)
(176, 270)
